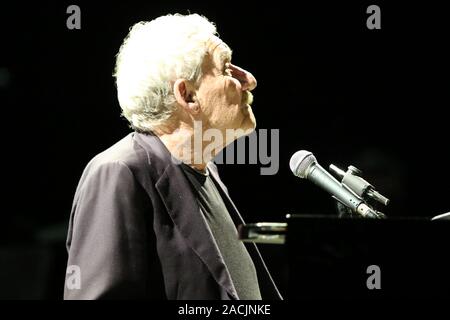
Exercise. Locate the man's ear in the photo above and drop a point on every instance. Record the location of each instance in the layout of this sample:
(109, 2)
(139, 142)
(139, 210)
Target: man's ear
(185, 96)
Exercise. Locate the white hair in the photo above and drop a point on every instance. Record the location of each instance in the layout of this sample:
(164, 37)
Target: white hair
(151, 58)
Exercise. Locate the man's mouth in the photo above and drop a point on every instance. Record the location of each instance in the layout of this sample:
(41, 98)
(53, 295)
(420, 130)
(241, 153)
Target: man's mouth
(247, 99)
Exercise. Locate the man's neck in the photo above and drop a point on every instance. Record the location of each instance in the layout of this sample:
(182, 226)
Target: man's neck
(186, 144)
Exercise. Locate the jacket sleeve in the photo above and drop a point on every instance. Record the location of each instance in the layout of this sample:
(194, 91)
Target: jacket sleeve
(108, 241)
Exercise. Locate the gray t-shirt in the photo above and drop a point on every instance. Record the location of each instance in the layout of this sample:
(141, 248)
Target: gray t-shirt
(234, 253)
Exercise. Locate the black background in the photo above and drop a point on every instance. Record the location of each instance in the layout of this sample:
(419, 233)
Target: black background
(375, 99)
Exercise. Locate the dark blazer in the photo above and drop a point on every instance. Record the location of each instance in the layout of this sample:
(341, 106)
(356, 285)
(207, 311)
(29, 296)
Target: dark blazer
(136, 230)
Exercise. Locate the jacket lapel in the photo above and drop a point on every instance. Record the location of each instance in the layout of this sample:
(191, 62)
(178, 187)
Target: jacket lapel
(181, 204)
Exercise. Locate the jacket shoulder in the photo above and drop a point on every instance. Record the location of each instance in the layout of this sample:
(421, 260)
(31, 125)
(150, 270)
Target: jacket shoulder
(125, 151)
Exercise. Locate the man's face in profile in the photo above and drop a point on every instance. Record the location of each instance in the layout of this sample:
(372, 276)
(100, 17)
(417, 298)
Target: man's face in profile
(224, 90)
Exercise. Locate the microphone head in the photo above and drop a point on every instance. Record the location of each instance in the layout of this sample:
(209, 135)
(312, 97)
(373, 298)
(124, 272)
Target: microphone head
(300, 162)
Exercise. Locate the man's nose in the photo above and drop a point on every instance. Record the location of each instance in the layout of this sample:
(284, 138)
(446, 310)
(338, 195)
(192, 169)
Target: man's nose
(247, 80)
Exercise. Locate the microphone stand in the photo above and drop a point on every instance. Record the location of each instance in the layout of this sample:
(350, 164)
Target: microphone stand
(363, 189)
(344, 211)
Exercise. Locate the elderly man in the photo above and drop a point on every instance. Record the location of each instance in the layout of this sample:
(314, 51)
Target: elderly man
(151, 217)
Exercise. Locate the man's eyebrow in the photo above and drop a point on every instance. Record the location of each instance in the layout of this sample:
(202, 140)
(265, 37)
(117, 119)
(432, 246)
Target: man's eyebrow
(225, 55)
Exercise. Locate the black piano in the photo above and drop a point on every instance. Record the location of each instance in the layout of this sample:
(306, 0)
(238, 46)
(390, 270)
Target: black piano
(354, 258)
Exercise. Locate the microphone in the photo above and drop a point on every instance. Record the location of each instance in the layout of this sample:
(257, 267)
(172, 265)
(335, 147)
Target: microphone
(303, 164)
